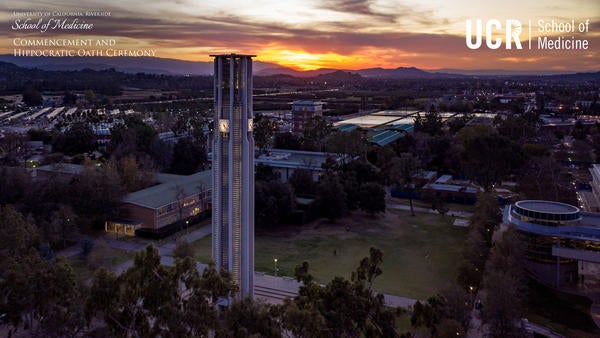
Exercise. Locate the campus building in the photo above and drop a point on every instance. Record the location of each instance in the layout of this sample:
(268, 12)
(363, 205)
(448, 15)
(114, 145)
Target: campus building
(175, 198)
(153, 211)
(284, 162)
(558, 236)
(453, 191)
(304, 111)
(233, 170)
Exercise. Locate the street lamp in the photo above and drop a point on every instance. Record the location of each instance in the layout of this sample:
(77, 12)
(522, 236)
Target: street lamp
(187, 224)
(275, 266)
(471, 289)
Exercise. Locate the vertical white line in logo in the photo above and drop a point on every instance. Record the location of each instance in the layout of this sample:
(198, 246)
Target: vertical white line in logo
(529, 26)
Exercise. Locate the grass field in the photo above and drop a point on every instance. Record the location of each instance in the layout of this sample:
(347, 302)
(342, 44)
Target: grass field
(421, 253)
(115, 258)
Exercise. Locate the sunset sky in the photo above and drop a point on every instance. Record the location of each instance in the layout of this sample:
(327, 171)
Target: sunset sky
(310, 34)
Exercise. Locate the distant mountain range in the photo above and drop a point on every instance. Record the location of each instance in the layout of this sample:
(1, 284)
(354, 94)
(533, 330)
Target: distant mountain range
(181, 67)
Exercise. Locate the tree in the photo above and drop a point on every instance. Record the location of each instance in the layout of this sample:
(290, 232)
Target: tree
(193, 124)
(40, 294)
(12, 147)
(353, 176)
(39, 134)
(302, 182)
(457, 123)
(14, 183)
(188, 157)
(264, 129)
(353, 143)
(457, 306)
(150, 299)
(401, 173)
(134, 135)
(247, 318)
(16, 234)
(263, 172)
(90, 97)
(274, 201)
(538, 172)
(32, 97)
(331, 198)
(69, 98)
(506, 286)
(183, 249)
(487, 216)
(488, 170)
(475, 253)
(342, 308)
(427, 314)
(64, 222)
(372, 198)
(133, 175)
(430, 124)
(519, 127)
(315, 132)
(37, 293)
(287, 140)
(96, 193)
(79, 138)
(162, 154)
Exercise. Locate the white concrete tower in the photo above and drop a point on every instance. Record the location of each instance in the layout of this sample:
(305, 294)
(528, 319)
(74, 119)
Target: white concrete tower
(233, 170)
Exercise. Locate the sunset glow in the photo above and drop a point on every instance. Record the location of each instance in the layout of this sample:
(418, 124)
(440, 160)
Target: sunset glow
(341, 34)
(302, 60)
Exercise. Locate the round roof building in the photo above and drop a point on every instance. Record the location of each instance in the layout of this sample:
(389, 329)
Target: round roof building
(546, 212)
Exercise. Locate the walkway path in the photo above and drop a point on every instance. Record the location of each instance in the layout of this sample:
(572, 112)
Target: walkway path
(70, 251)
(542, 330)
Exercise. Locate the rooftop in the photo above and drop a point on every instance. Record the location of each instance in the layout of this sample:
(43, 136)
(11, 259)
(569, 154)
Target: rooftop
(307, 103)
(452, 188)
(384, 137)
(346, 127)
(296, 159)
(550, 207)
(444, 179)
(165, 192)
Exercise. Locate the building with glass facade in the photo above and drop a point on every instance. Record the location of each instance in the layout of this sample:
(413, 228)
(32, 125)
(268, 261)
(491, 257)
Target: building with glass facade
(233, 170)
(558, 236)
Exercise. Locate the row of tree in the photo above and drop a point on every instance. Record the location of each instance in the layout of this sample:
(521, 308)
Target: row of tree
(40, 296)
(341, 188)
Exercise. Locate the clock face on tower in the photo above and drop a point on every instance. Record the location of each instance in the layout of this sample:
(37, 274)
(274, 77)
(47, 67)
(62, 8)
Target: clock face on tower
(224, 126)
(250, 124)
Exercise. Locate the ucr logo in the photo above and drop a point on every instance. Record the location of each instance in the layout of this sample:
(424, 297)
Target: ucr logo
(513, 30)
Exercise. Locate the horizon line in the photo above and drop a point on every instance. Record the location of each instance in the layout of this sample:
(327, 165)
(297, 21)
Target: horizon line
(563, 71)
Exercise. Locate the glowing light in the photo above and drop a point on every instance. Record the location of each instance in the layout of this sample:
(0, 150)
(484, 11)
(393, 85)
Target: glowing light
(303, 60)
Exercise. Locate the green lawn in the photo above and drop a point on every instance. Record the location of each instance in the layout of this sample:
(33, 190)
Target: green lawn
(421, 253)
(82, 271)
